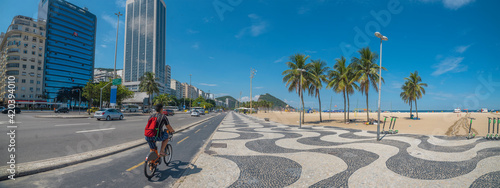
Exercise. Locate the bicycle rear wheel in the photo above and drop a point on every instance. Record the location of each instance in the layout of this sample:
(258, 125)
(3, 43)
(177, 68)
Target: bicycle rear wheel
(149, 169)
(168, 156)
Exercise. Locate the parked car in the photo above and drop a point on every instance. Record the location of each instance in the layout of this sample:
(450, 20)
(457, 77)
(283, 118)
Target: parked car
(16, 109)
(108, 114)
(92, 110)
(2, 108)
(61, 110)
(195, 113)
(130, 108)
(168, 112)
(202, 112)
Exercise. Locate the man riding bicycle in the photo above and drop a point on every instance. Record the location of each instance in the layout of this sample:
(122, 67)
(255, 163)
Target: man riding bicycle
(162, 120)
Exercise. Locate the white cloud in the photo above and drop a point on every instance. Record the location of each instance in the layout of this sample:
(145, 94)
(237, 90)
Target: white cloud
(247, 99)
(451, 4)
(112, 21)
(210, 57)
(192, 31)
(456, 4)
(461, 49)
(396, 85)
(205, 84)
(257, 28)
(450, 64)
(121, 3)
(280, 59)
(104, 46)
(311, 51)
(259, 87)
(196, 45)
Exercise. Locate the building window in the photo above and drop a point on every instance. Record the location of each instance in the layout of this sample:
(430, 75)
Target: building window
(38, 75)
(23, 96)
(34, 25)
(39, 55)
(23, 88)
(39, 68)
(32, 81)
(37, 89)
(24, 66)
(34, 31)
(12, 73)
(24, 59)
(27, 29)
(41, 41)
(40, 48)
(13, 65)
(31, 89)
(26, 37)
(25, 51)
(33, 53)
(32, 74)
(34, 46)
(37, 82)
(23, 81)
(26, 45)
(34, 39)
(31, 96)
(24, 73)
(32, 66)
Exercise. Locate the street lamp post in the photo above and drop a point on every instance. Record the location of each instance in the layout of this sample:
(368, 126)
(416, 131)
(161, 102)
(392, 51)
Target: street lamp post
(252, 73)
(100, 100)
(116, 42)
(189, 92)
(382, 38)
(300, 95)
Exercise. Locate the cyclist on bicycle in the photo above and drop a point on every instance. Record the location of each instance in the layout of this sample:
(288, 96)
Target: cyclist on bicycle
(162, 121)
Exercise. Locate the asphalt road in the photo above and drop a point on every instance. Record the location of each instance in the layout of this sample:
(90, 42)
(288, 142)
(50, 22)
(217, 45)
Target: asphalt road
(125, 169)
(44, 138)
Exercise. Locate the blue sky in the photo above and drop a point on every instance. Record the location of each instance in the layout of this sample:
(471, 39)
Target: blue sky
(454, 44)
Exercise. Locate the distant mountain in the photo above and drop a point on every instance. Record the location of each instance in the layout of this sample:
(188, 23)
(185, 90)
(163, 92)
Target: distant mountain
(232, 101)
(276, 102)
(107, 69)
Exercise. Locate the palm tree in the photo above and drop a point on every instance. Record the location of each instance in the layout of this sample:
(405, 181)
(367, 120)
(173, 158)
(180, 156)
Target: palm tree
(415, 87)
(406, 95)
(351, 85)
(337, 79)
(367, 73)
(317, 70)
(149, 84)
(162, 99)
(292, 76)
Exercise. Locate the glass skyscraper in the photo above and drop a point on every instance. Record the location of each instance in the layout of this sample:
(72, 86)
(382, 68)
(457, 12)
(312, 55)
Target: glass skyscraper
(144, 49)
(69, 47)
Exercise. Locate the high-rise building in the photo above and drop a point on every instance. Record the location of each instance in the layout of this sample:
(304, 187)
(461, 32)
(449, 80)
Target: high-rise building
(168, 74)
(144, 47)
(69, 47)
(176, 88)
(21, 55)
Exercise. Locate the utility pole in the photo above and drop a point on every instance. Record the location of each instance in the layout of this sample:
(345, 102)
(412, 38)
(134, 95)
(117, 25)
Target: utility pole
(252, 73)
(116, 42)
(189, 92)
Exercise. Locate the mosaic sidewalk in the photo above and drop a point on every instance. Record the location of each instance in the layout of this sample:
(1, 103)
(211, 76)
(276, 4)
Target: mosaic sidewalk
(249, 152)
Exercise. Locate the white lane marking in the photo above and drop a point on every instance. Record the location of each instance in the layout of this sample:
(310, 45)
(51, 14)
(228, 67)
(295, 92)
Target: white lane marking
(94, 130)
(136, 120)
(6, 122)
(72, 124)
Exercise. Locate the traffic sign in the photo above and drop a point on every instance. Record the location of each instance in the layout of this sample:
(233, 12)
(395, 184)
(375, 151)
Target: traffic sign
(117, 81)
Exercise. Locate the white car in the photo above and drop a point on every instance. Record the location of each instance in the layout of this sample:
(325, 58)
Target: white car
(108, 114)
(195, 113)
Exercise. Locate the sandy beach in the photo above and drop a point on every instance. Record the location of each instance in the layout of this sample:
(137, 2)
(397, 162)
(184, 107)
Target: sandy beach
(430, 123)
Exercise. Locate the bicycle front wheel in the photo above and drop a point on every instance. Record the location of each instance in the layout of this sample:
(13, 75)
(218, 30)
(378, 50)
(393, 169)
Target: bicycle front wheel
(149, 169)
(168, 156)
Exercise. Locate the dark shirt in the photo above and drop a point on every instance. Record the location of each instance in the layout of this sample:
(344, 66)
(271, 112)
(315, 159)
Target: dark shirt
(162, 120)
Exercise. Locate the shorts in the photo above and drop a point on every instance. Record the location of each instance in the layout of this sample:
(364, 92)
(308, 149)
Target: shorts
(152, 140)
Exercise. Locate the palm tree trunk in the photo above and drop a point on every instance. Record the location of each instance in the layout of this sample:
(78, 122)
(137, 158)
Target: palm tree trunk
(344, 108)
(411, 103)
(302, 99)
(367, 109)
(416, 109)
(348, 108)
(319, 100)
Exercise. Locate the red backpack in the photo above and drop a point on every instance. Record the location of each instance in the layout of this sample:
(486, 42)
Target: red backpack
(151, 129)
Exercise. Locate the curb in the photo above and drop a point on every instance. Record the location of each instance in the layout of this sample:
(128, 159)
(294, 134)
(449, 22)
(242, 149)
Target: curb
(34, 167)
(195, 158)
(79, 116)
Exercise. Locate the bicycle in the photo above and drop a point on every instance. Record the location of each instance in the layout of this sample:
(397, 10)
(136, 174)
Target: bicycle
(153, 160)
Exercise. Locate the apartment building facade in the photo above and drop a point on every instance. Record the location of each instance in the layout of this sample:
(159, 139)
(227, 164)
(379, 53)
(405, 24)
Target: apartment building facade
(22, 56)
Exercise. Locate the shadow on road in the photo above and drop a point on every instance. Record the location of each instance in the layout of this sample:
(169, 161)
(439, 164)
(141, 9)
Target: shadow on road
(175, 169)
